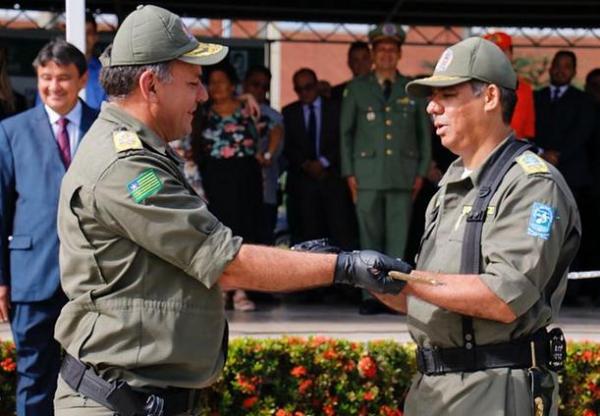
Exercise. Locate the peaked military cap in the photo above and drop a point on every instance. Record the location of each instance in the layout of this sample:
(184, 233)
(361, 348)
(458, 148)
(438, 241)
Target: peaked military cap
(387, 31)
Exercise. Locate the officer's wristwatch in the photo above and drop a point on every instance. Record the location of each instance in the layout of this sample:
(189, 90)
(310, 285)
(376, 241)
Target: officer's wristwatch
(267, 155)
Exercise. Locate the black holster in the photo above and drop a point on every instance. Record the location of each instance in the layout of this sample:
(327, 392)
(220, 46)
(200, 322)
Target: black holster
(120, 397)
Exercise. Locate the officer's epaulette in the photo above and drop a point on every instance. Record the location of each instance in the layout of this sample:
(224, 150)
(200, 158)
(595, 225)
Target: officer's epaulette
(126, 140)
(532, 163)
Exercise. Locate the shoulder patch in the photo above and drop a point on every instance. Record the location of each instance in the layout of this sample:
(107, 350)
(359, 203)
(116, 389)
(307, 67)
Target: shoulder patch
(540, 221)
(126, 140)
(146, 184)
(532, 163)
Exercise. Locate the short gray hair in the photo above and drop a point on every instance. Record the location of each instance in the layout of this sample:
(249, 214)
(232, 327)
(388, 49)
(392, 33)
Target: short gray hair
(508, 98)
(120, 81)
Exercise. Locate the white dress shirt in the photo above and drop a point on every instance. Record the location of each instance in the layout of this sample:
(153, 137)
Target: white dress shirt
(74, 117)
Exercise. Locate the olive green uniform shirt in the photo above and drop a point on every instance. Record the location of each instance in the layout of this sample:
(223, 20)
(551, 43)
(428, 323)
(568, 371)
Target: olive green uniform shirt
(140, 259)
(384, 143)
(519, 259)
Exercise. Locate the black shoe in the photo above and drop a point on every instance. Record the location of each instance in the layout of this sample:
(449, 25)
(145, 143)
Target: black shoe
(373, 307)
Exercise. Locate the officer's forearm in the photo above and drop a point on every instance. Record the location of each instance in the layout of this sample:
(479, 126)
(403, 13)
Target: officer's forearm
(396, 302)
(275, 270)
(464, 294)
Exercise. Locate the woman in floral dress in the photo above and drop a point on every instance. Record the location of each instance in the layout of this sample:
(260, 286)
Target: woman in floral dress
(229, 162)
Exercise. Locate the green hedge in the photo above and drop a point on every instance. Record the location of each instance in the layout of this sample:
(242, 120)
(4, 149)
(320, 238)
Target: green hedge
(320, 376)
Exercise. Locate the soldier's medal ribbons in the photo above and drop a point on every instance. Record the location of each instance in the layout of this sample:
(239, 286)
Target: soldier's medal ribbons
(126, 140)
(145, 185)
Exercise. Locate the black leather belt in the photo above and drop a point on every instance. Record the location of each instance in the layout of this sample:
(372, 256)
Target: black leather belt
(122, 398)
(514, 354)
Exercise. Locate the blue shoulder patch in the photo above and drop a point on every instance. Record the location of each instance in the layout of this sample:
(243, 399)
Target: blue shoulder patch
(540, 221)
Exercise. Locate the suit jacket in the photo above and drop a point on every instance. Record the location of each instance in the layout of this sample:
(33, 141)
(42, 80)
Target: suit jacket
(567, 126)
(31, 172)
(297, 148)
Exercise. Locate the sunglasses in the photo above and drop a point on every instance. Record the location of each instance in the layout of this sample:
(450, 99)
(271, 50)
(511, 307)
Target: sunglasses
(303, 88)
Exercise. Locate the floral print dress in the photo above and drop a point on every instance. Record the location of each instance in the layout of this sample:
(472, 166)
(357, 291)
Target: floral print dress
(231, 173)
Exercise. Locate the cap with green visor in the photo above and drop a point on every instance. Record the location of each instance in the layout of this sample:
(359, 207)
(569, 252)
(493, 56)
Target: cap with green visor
(471, 59)
(151, 34)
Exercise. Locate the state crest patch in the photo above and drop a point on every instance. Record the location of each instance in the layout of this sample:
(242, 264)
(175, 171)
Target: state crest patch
(540, 221)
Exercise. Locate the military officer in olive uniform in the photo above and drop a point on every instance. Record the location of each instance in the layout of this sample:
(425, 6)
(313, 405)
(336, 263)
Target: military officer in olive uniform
(385, 146)
(142, 259)
(481, 335)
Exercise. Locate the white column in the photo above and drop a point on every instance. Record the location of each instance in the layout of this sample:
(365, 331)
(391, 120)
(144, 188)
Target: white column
(275, 65)
(75, 25)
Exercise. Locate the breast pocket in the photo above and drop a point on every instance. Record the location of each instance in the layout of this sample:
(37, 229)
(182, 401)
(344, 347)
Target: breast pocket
(19, 242)
(457, 232)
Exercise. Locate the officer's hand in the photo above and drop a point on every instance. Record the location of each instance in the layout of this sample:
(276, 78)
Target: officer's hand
(4, 303)
(368, 270)
(321, 245)
(353, 185)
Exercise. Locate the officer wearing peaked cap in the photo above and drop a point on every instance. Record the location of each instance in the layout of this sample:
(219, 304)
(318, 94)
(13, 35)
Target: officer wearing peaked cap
(142, 258)
(386, 148)
(500, 235)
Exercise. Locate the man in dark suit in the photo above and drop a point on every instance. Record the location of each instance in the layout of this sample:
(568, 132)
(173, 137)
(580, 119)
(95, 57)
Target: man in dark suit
(319, 203)
(565, 131)
(36, 148)
(359, 63)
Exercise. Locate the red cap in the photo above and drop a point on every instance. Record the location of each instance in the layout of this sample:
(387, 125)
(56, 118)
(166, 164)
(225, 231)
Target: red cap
(501, 39)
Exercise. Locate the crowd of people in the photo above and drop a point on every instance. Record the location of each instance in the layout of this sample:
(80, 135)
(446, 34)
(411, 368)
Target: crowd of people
(355, 163)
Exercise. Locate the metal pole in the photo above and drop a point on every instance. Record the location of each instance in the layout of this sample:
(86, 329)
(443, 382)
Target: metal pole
(75, 25)
(275, 66)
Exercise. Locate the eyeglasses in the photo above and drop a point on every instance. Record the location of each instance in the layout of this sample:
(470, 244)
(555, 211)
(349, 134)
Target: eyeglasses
(305, 88)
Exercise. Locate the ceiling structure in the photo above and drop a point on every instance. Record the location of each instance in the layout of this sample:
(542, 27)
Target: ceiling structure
(515, 13)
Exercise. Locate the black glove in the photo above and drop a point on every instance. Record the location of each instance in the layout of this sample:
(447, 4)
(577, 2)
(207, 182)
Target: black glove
(321, 245)
(368, 270)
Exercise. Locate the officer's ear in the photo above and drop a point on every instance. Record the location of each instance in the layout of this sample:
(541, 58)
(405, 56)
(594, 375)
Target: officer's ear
(147, 84)
(492, 98)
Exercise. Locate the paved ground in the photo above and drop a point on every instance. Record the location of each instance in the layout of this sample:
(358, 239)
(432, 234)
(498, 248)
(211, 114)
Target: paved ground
(342, 321)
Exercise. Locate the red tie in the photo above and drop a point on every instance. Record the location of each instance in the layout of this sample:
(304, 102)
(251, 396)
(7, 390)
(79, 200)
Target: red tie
(63, 141)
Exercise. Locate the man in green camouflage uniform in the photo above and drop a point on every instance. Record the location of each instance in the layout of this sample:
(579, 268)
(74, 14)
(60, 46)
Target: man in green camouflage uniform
(142, 258)
(530, 235)
(386, 148)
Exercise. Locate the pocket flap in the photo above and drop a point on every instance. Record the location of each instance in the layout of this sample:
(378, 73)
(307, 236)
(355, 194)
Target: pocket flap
(19, 242)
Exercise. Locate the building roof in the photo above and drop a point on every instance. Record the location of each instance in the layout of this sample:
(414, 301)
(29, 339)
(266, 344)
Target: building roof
(519, 13)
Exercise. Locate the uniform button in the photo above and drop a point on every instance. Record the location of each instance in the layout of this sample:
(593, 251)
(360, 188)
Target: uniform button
(388, 136)
(388, 152)
(10, 237)
(363, 154)
(468, 345)
(388, 122)
(388, 109)
(468, 337)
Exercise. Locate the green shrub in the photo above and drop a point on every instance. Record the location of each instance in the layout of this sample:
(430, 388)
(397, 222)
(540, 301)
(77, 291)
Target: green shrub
(8, 377)
(320, 376)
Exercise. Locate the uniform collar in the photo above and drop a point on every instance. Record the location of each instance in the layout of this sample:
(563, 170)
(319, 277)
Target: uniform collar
(456, 169)
(381, 80)
(112, 113)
